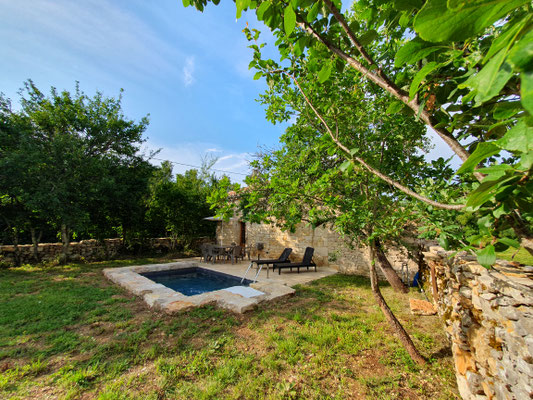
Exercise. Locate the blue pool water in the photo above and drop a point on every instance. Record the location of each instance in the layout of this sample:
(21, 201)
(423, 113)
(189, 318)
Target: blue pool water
(192, 281)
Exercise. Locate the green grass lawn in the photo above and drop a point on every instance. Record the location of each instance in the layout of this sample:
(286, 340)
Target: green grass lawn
(521, 255)
(68, 333)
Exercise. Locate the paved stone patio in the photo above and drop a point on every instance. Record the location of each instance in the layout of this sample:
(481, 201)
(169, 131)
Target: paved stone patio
(160, 297)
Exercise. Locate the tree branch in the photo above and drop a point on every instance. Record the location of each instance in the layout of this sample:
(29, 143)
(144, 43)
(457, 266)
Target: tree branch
(371, 169)
(382, 80)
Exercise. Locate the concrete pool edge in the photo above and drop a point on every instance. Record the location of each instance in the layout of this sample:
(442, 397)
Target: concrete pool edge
(160, 297)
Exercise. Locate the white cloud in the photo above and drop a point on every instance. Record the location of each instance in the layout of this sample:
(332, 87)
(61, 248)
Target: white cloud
(94, 36)
(188, 71)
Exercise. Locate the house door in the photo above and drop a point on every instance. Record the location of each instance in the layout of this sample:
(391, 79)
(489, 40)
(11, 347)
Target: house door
(242, 240)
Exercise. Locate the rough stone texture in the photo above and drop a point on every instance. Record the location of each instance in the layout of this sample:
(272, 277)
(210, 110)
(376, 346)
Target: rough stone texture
(87, 250)
(272, 291)
(421, 307)
(488, 316)
(330, 248)
(178, 306)
(160, 297)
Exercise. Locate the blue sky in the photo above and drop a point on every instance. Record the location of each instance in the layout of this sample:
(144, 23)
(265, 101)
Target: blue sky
(188, 70)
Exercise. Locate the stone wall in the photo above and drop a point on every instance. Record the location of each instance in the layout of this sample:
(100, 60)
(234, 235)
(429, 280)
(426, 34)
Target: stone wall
(330, 248)
(228, 232)
(488, 316)
(88, 250)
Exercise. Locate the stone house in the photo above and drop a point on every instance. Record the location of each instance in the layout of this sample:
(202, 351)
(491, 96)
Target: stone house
(331, 249)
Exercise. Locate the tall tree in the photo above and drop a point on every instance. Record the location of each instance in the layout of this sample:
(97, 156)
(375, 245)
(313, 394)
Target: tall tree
(65, 148)
(309, 180)
(449, 64)
(179, 204)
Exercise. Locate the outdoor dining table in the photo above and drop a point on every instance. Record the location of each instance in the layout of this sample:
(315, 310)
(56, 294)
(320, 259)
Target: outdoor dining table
(226, 248)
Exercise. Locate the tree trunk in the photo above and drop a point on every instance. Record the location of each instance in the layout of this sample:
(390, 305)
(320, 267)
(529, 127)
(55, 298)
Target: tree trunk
(65, 239)
(393, 321)
(35, 239)
(386, 268)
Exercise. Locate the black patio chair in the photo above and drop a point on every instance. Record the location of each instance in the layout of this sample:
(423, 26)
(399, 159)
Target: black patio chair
(307, 261)
(283, 258)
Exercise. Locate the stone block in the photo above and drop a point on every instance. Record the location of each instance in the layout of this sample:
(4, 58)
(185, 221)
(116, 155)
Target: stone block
(159, 296)
(238, 303)
(179, 305)
(272, 290)
(462, 385)
(463, 360)
(473, 381)
(421, 307)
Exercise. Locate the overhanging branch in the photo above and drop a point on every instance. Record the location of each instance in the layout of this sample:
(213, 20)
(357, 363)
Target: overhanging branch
(382, 80)
(362, 162)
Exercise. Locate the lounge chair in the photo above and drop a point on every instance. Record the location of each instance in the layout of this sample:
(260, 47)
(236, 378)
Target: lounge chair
(307, 261)
(283, 258)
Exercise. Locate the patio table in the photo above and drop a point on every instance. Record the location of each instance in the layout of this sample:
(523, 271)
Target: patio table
(225, 248)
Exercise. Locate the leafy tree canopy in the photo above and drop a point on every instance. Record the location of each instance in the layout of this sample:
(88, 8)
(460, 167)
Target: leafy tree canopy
(65, 156)
(462, 68)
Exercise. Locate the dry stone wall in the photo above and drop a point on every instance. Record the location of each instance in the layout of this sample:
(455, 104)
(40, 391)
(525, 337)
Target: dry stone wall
(488, 316)
(88, 250)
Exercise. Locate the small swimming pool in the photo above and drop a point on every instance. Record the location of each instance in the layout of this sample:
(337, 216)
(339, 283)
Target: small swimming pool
(195, 280)
(186, 293)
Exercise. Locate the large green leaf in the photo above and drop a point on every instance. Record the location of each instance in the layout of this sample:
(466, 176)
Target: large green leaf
(526, 90)
(407, 5)
(509, 242)
(526, 161)
(505, 38)
(488, 82)
(495, 171)
(324, 73)
(486, 191)
(521, 55)
(413, 51)
(265, 5)
(394, 107)
(518, 139)
(241, 6)
(368, 37)
(435, 22)
(313, 13)
(482, 152)
(505, 110)
(486, 256)
(345, 165)
(420, 76)
(289, 20)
